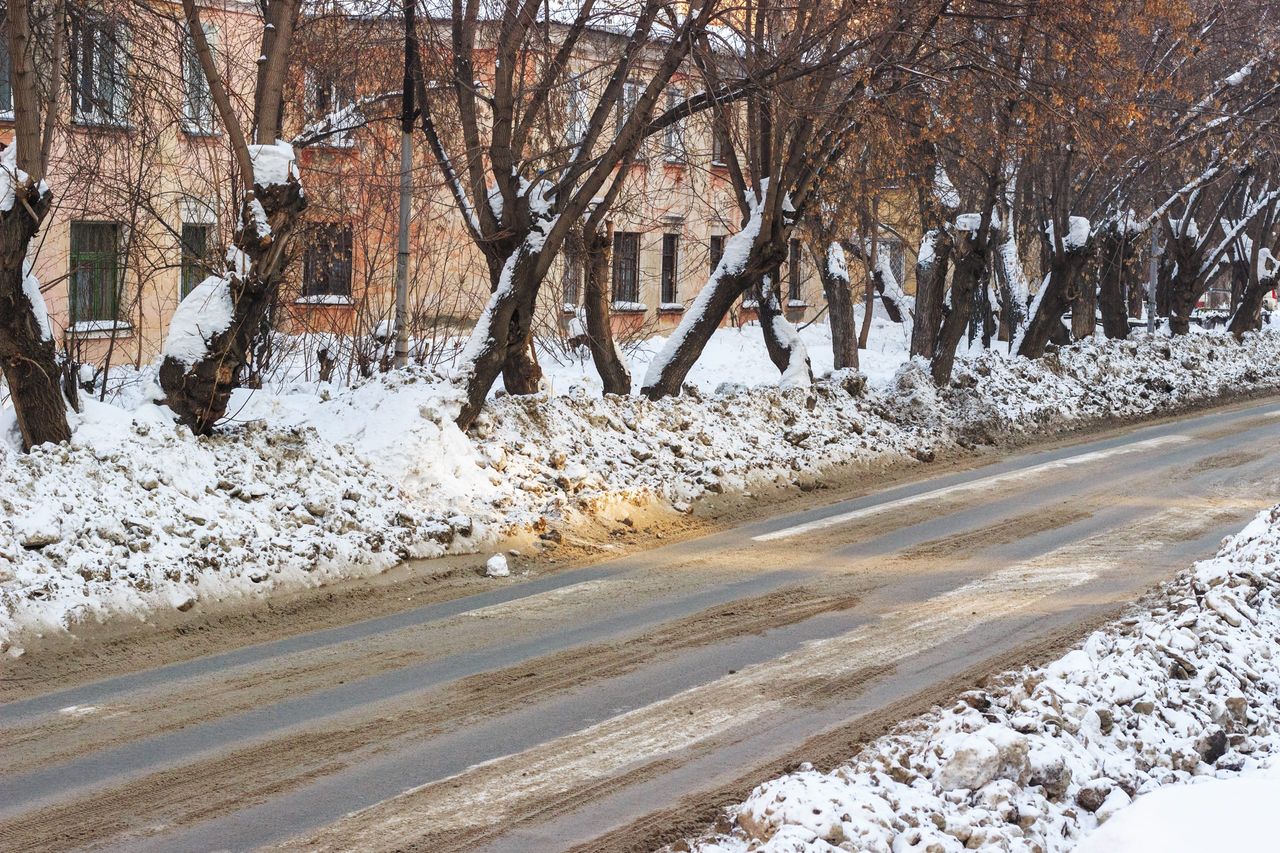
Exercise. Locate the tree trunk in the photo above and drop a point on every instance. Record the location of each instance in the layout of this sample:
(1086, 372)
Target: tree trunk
(892, 308)
(1052, 302)
(868, 309)
(614, 375)
(1182, 299)
(521, 373)
(834, 273)
(781, 339)
(1115, 282)
(668, 370)
(200, 392)
(970, 266)
(1084, 310)
(28, 354)
(931, 282)
(1248, 314)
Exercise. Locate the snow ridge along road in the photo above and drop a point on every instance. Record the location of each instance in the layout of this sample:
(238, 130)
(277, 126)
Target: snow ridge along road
(617, 706)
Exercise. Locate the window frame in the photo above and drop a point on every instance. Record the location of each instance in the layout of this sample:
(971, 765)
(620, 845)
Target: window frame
(715, 251)
(76, 256)
(194, 266)
(795, 279)
(669, 291)
(629, 240)
(193, 122)
(105, 30)
(673, 139)
(337, 239)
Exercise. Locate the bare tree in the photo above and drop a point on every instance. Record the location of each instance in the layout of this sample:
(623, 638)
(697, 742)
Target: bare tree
(28, 352)
(213, 332)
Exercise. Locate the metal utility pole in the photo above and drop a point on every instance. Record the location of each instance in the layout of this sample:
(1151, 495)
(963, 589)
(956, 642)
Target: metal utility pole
(407, 113)
(1151, 281)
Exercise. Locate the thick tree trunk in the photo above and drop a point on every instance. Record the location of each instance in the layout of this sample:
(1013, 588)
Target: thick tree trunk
(1084, 310)
(28, 354)
(503, 326)
(1247, 316)
(668, 370)
(781, 339)
(970, 267)
(1115, 282)
(200, 392)
(931, 282)
(1052, 302)
(1183, 294)
(614, 375)
(834, 273)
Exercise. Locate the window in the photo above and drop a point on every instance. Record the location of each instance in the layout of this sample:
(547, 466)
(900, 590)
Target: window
(719, 148)
(572, 274)
(897, 255)
(195, 250)
(95, 272)
(674, 140)
(329, 97)
(326, 265)
(579, 118)
(795, 289)
(6, 86)
(717, 251)
(197, 101)
(99, 87)
(627, 103)
(670, 268)
(626, 267)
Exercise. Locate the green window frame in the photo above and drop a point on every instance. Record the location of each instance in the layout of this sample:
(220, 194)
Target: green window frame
(195, 253)
(95, 272)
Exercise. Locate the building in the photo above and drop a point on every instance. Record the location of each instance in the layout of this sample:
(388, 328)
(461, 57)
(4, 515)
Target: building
(145, 200)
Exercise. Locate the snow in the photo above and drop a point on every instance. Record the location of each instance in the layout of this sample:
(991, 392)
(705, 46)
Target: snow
(273, 164)
(1078, 231)
(623, 305)
(325, 299)
(205, 312)
(31, 287)
(969, 222)
(10, 176)
(496, 567)
(1160, 732)
(316, 482)
(1220, 814)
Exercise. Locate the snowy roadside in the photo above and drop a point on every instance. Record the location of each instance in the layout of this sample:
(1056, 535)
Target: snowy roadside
(1176, 697)
(136, 516)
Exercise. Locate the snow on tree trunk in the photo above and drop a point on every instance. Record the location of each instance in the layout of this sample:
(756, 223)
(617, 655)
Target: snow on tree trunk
(28, 352)
(1262, 279)
(834, 273)
(786, 350)
(213, 332)
(931, 282)
(612, 367)
(747, 256)
(970, 267)
(890, 289)
(1011, 281)
(1054, 297)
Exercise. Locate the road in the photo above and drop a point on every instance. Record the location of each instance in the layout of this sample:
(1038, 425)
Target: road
(617, 705)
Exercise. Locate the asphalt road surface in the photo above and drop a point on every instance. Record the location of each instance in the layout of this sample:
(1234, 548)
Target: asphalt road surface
(618, 705)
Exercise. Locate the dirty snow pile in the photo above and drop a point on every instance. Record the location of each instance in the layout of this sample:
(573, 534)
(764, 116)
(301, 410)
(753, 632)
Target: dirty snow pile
(314, 481)
(136, 515)
(1182, 692)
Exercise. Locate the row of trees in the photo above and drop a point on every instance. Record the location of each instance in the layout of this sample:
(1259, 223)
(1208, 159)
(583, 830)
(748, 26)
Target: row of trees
(1086, 142)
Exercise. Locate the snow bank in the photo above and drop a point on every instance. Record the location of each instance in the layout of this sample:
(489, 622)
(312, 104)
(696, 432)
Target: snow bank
(136, 515)
(1182, 691)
